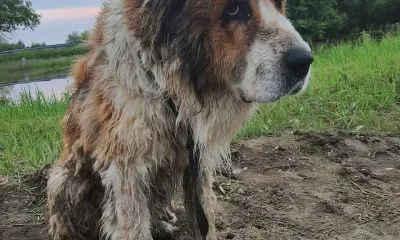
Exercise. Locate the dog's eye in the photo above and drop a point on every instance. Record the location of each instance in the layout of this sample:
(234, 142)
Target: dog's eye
(236, 11)
(233, 9)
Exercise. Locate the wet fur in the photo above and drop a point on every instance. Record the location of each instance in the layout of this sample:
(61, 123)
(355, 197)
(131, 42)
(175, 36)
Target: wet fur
(124, 151)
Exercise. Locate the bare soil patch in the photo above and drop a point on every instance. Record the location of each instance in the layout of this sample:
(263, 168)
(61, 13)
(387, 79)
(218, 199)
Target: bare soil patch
(301, 186)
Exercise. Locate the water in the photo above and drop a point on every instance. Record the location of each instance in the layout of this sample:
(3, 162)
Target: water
(51, 88)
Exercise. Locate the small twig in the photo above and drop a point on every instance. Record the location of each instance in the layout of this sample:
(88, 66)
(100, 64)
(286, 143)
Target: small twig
(282, 167)
(273, 167)
(385, 200)
(366, 191)
(388, 198)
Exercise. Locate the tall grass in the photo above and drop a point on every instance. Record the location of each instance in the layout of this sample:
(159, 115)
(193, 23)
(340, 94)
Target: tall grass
(354, 87)
(30, 134)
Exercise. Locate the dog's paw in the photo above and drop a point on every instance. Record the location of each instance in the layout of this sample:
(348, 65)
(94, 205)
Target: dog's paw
(168, 227)
(172, 218)
(163, 230)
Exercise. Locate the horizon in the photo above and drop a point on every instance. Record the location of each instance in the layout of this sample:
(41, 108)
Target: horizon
(59, 18)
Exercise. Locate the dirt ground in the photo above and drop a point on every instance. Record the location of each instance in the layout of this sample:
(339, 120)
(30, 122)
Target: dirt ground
(301, 186)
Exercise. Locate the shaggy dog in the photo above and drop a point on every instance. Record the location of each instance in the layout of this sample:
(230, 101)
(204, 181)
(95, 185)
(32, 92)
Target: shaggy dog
(156, 70)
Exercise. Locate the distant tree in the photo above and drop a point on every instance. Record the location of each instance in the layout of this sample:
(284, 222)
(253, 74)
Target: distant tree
(16, 14)
(85, 35)
(392, 13)
(316, 20)
(73, 37)
(364, 14)
(323, 20)
(37, 44)
(11, 46)
(21, 44)
(77, 37)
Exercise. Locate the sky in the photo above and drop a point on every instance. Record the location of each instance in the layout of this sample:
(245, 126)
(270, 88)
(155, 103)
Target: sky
(59, 18)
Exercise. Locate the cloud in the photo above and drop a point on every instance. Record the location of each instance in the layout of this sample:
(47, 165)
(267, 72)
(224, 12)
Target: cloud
(51, 4)
(65, 14)
(57, 23)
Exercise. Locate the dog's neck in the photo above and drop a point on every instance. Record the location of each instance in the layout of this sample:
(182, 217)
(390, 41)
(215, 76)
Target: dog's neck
(215, 121)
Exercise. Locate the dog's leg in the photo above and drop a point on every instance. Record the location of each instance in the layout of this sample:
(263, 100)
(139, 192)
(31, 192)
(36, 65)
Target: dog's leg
(163, 188)
(73, 203)
(207, 199)
(126, 215)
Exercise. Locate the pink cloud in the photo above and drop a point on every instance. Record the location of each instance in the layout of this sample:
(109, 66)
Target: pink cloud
(49, 15)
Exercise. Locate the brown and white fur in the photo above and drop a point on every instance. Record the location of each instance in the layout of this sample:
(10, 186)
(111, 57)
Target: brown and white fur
(124, 151)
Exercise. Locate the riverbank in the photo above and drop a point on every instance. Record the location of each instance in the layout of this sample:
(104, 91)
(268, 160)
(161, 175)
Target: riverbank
(39, 63)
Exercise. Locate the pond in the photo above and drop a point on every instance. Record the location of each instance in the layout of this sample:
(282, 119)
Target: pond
(50, 88)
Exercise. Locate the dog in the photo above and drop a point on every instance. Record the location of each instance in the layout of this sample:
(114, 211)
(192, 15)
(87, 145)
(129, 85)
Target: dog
(156, 71)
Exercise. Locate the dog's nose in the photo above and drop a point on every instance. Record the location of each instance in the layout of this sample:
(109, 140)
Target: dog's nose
(298, 61)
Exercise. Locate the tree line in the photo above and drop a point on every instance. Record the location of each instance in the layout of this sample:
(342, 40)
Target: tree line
(330, 20)
(5, 45)
(74, 37)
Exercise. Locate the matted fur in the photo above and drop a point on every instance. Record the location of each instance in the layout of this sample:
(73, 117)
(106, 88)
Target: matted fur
(124, 150)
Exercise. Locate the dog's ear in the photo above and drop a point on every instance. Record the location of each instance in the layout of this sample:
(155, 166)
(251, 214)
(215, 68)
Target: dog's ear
(156, 21)
(166, 16)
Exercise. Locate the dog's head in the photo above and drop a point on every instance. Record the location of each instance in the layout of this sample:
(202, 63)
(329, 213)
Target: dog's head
(248, 46)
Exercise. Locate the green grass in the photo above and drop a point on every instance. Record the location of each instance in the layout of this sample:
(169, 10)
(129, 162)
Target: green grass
(354, 87)
(40, 63)
(30, 135)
